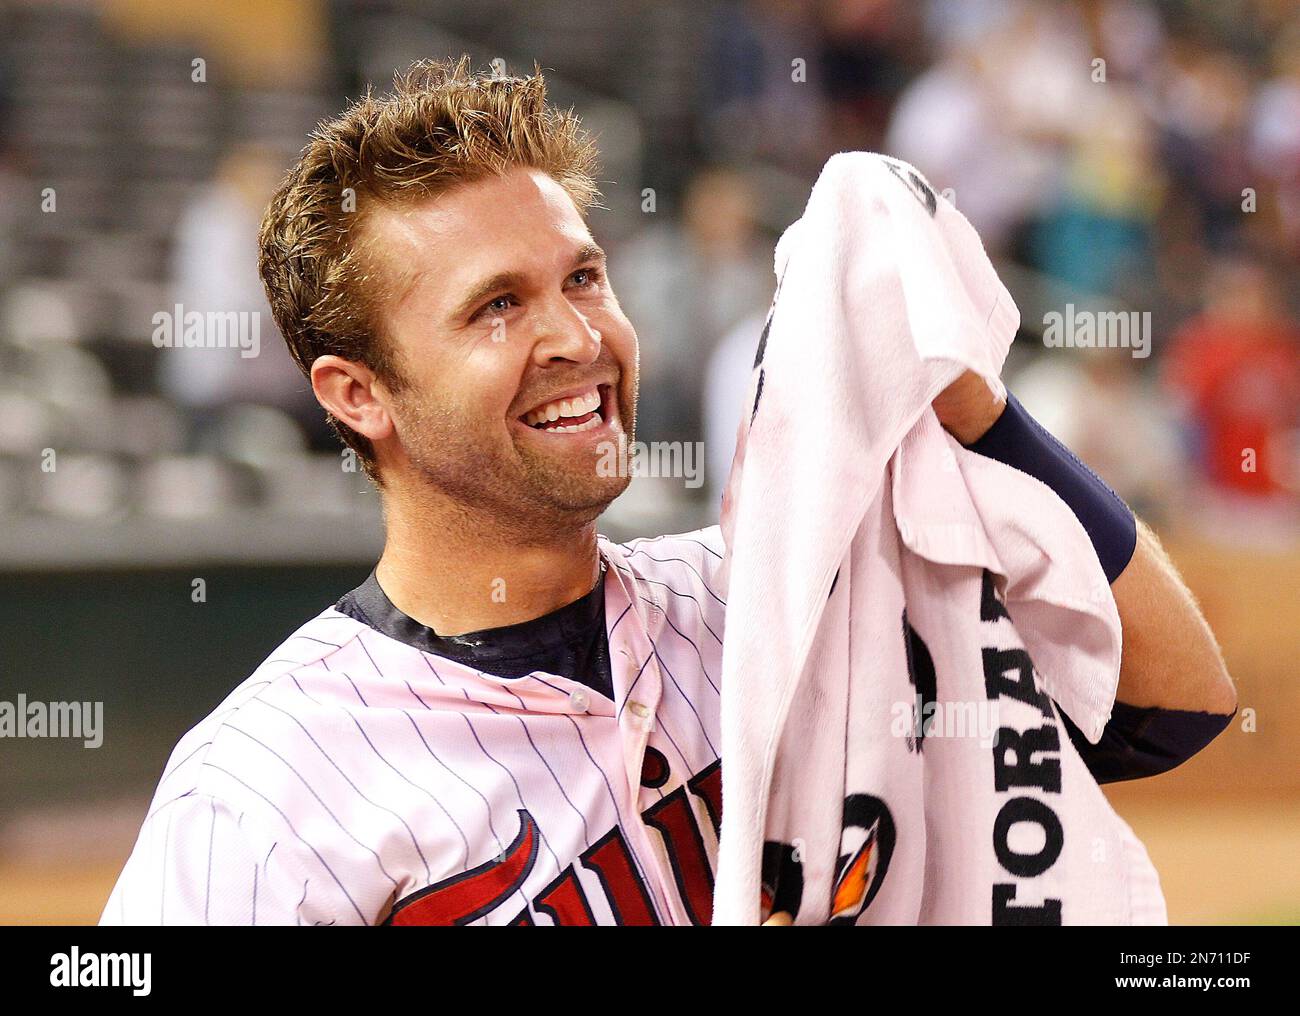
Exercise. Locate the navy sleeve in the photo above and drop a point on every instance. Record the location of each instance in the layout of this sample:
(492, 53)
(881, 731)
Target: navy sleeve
(1016, 439)
(1145, 742)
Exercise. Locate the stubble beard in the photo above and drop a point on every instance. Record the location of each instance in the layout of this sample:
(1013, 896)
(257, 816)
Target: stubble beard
(528, 495)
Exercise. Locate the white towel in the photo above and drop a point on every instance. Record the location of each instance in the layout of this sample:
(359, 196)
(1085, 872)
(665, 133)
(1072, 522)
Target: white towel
(872, 565)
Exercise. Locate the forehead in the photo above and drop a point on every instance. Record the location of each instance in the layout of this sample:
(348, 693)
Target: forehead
(522, 221)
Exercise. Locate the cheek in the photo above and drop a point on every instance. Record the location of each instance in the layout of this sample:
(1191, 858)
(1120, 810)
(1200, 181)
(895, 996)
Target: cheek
(435, 400)
(486, 383)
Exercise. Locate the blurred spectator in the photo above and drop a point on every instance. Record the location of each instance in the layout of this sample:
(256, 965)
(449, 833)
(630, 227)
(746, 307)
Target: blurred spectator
(1275, 136)
(1098, 404)
(752, 84)
(868, 56)
(1097, 234)
(989, 119)
(214, 269)
(1235, 370)
(684, 287)
(1201, 104)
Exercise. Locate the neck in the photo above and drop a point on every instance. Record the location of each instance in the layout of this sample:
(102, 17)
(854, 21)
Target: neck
(454, 571)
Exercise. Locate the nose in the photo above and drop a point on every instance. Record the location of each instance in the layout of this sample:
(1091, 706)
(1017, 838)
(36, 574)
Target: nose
(564, 333)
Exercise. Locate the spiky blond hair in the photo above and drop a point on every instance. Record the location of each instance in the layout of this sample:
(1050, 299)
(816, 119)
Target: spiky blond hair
(442, 125)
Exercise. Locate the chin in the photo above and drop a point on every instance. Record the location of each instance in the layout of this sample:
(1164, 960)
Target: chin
(584, 499)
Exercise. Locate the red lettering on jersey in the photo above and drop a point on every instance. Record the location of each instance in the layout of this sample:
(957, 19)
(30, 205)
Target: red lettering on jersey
(675, 819)
(565, 901)
(472, 894)
(610, 859)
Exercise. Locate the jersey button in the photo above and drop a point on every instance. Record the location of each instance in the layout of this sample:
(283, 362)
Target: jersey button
(639, 710)
(578, 699)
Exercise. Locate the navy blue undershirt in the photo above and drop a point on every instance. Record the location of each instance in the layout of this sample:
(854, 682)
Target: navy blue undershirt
(571, 642)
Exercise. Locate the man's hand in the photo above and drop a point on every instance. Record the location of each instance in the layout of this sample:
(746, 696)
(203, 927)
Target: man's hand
(967, 409)
(779, 920)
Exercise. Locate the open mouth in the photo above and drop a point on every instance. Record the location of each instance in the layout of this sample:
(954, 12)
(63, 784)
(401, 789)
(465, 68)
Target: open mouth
(579, 412)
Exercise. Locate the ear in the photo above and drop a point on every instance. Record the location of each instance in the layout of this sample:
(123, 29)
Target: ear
(349, 391)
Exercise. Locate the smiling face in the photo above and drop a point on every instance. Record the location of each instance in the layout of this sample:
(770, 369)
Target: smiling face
(518, 367)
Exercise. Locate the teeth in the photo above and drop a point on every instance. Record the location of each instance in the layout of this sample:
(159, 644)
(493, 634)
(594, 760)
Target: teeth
(595, 421)
(552, 411)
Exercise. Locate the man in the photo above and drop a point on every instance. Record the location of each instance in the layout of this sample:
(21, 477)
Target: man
(474, 735)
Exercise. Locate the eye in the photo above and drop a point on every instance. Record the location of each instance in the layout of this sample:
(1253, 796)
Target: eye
(496, 306)
(585, 277)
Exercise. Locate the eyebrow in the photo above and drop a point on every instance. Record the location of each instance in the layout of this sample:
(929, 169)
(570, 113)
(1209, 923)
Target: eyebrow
(588, 252)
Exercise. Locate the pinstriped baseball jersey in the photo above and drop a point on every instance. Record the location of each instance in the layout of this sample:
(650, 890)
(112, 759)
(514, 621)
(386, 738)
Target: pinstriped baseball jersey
(357, 779)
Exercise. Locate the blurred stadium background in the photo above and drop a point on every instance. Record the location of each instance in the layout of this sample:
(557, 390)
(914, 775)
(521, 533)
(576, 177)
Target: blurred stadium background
(139, 140)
